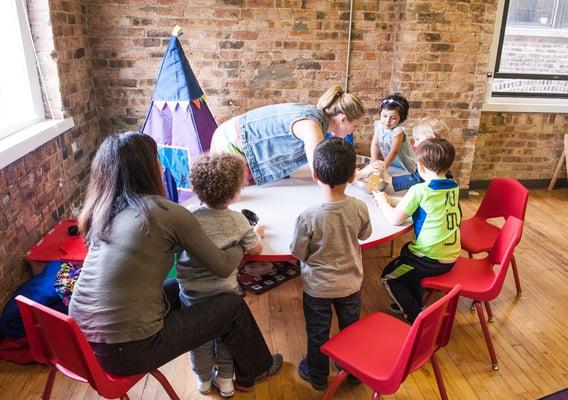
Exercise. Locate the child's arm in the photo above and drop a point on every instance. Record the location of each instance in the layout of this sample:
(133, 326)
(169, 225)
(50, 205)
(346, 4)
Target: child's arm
(395, 215)
(395, 147)
(259, 231)
(311, 134)
(301, 240)
(374, 149)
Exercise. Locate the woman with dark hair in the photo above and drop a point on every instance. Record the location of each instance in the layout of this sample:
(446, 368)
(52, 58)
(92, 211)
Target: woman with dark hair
(118, 301)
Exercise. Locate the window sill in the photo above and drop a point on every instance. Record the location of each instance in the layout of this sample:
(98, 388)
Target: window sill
(526, 105)
(25, 141)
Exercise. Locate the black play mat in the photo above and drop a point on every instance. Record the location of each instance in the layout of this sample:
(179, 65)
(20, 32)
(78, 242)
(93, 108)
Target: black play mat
(258, 277)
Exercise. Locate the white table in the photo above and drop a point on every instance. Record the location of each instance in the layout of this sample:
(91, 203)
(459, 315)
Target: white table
(278, 203)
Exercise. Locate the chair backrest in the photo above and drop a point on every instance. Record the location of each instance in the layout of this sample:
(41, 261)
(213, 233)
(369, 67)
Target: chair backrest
(55, 339)
(504, 197)
(502, 251)
(430, 331)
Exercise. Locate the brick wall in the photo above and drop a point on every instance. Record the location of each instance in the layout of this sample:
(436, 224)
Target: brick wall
(518, 145)
(41, 188)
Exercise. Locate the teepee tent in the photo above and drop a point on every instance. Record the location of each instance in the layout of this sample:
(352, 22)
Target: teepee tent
(178, 119)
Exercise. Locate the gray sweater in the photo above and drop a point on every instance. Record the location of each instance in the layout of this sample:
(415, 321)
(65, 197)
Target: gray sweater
(325, 242)
(118, 297)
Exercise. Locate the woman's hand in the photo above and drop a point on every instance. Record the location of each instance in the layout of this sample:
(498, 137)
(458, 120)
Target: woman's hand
(260, 230)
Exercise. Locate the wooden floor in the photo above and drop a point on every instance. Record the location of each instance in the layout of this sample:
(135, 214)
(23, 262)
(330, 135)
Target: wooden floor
(530, 334)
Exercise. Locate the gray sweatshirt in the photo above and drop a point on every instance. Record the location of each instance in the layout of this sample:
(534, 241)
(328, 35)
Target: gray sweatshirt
(118, 297)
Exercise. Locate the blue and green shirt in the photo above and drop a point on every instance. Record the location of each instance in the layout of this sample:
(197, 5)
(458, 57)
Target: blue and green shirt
(433, 206)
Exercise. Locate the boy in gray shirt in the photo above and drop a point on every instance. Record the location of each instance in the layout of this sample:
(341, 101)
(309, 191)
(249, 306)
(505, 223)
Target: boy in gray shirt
(217, 181)
(325, 242)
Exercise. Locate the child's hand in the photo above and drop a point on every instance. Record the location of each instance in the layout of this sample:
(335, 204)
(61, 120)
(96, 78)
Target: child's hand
(259, 229)
(374, 167)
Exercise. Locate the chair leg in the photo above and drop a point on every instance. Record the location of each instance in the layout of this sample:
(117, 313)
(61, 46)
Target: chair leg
(489, 312)
(469, 254)
(165, 384)
(335, 384)
(49, 384)
(488, 341)
(376, 396)
(439, 379)
(391, 255)
(516, 275)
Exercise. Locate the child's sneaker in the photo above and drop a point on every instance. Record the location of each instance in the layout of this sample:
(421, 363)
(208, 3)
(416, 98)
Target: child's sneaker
(304, 372)
(277, 361)
(225, 386)
(204, 387)
(395, 309)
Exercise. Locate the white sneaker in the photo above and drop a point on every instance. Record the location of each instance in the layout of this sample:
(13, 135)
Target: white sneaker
(204, 387)
(225, 386)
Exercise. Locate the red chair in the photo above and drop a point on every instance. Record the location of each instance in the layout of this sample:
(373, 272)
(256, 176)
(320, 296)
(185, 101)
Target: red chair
(382, 350)
(56, 340)
(482, 279)
(504, 197)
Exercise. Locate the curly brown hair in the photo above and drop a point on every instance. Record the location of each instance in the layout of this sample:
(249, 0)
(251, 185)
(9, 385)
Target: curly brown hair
(217, 178)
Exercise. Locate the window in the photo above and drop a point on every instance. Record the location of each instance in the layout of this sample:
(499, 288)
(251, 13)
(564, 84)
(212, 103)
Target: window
(532, 54)
(20, 96)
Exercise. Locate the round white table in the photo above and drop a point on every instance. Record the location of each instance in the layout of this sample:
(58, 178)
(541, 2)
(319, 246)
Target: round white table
(278, 203)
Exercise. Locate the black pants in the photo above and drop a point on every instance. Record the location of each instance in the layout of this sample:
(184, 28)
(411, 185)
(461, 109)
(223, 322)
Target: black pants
(225, 316)
(402, 277)
(317, 312)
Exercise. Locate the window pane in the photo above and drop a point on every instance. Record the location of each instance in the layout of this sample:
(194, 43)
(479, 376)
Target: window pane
(17, 101)
(531, 12)
(530, 86)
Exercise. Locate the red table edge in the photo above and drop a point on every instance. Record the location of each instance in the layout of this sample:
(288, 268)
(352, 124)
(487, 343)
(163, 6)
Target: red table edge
(289, 257)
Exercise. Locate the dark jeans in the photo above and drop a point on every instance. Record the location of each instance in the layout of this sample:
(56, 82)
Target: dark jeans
(317, 312)
(225, 316)
(402, 277)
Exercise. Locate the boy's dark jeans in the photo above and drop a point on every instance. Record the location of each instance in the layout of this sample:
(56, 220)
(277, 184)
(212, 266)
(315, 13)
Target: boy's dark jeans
(317, 312)
(402, 277)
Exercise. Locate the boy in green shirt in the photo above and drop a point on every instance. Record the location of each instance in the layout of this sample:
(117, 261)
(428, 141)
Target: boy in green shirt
(433, 206)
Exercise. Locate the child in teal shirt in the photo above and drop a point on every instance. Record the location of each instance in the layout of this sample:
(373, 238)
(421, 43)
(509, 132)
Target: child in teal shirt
(433, 206)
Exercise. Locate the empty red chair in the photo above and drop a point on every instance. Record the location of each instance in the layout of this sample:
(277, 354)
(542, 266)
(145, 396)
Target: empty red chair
(482, 279)
(382, 350)
(504, 198)
(56, 340)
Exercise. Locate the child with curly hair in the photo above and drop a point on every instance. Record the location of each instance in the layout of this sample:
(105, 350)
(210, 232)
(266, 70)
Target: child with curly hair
(217, 181)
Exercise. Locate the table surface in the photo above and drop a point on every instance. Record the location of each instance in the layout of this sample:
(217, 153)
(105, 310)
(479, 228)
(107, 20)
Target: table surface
(278, 203)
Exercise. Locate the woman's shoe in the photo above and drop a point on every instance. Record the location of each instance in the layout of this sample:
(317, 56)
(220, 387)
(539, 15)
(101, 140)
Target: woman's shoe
(277, 361)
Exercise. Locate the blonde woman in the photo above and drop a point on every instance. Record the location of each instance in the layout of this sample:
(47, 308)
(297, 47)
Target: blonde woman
(278, 139)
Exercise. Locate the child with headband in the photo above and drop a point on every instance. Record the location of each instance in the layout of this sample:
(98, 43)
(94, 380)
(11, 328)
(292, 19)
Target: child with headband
(390, 140)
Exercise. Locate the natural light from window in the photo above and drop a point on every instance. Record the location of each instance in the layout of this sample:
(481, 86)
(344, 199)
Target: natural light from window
(20, 96)
(532, 59)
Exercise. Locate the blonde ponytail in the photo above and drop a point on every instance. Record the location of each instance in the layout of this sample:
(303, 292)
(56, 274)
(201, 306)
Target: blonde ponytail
(335, 101)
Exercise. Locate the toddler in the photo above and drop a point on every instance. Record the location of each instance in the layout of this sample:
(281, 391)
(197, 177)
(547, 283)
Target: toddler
(217, 181)
(325, 242)
(389, 139)
(434, 208)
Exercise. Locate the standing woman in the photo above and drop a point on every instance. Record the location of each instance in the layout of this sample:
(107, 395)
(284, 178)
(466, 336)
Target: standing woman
(118, 301)
(278, 139)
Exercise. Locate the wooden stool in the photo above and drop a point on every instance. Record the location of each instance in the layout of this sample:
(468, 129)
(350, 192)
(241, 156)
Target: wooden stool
(559, 165)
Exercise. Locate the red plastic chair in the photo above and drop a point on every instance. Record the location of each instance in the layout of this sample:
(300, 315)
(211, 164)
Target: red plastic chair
(482, 279)
(382, 350)
(55, 339)
(504, 198)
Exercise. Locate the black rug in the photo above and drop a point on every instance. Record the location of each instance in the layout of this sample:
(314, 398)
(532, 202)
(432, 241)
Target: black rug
(560, 395)
(258, 277)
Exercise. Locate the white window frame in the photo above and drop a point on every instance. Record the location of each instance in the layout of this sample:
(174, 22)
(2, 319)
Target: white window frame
(514, 104)
(25, 136)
